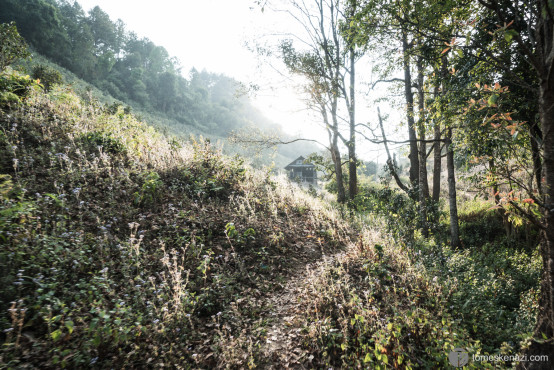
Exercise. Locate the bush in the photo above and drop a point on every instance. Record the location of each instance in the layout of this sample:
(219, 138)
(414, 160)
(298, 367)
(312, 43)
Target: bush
(14, 87)
(105, 140)
(12, 45)
(47, 76)
(399, 211)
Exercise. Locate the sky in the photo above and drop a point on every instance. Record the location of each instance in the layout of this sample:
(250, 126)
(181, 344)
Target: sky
(212, 35)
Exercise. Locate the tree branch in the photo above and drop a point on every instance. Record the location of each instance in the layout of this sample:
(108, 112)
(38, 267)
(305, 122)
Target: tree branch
(389, 160)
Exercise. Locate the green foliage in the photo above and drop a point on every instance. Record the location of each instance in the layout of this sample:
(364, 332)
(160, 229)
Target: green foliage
(399, 211)
(150, 189)
(12, 45)
(115, 257)
(47, 76)
(242, 239)
(489, 281)
(212, 177)
(364, 313)
(105, 140)
(14, 87)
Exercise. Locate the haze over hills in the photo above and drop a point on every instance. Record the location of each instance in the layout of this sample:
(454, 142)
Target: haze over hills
(143, 75)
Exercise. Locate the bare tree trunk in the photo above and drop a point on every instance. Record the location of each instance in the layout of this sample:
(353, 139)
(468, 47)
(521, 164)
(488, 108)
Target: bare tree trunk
(423, 184)
(535, 137)
(414, 160)
(437, 161)
(352, 160)
(437, 155)
(335, 154)
(390, 163)
(454, 227)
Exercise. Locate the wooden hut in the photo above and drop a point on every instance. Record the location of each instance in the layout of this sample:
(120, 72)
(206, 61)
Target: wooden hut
(302, 171)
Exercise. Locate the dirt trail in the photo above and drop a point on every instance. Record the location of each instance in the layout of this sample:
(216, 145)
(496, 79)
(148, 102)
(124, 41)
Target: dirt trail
(283, 347)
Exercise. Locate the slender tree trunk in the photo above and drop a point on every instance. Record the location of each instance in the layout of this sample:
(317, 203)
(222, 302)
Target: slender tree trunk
(337, 160)
(341, 192)
(535, 137)
(352, 160)
(423, 184)
(437, 161)
(454, 227)
(335, 154)
(414, 160)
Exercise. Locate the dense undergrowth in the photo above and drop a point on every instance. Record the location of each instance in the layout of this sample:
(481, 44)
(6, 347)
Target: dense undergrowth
(123, 248)
(483, 297)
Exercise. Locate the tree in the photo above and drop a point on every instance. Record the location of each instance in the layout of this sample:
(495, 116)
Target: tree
(323, 97)
(12, 45)
(103, 31)
(329, 67)
(420, 30)
(81, 59)
(537, 48)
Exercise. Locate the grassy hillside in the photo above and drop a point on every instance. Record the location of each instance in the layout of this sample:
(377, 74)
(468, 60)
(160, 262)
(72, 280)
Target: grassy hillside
(120, 244)
(122, 247)
(259, 157)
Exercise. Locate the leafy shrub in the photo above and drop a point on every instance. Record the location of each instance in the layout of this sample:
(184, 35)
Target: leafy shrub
(210, 176)
(489, 279)
(8, 98)
(12, 45)
(105, 140)
(14, 87)
(398, 210)
(47, 76)
(363, 313)
(150, 190)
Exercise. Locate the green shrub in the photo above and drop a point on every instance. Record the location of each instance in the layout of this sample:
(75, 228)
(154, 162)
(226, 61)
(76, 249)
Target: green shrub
(12, 45)
(14, 87)
(47, 76)
(105, 140)
(149, 192)
(400, 211)
(8, 98)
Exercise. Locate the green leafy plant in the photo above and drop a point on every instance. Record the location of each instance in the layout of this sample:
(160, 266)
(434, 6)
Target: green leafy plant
(12, 45)
(14, 87)
(47, 76)
(149, 192)
(106, 140)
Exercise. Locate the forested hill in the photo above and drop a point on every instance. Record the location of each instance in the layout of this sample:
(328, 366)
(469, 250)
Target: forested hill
(135, 70)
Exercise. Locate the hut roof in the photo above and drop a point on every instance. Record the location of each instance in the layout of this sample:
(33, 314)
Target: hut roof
(299, 163)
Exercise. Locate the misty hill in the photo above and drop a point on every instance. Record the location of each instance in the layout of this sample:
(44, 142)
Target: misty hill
(140, 73)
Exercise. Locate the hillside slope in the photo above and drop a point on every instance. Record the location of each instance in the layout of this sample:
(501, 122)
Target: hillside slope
(101, 56)
(120, 243)
(248, 119)
(124, 248)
